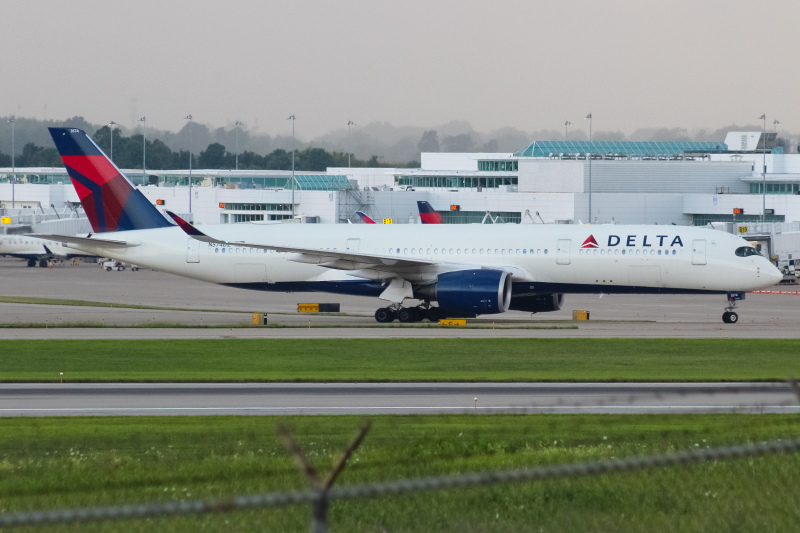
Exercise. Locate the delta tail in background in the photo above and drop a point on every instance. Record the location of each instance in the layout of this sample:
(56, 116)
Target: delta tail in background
(445, 270)
(427, 214)
(364, 217)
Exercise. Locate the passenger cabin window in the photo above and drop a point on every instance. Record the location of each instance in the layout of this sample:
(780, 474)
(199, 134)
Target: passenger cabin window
(746, 251)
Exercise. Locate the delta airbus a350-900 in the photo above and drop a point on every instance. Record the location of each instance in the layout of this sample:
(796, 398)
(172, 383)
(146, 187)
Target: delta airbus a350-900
(452, 270)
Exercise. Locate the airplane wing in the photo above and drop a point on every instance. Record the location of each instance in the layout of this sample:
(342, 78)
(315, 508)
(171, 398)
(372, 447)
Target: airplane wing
(340, 260)
(354, 261)
(85, 241)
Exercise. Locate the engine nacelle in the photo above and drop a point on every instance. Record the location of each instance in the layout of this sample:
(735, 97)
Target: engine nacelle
(538, 303)
(470, 292)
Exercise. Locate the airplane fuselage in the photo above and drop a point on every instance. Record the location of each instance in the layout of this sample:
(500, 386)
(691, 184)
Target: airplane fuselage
(33, 249)
(541, 258)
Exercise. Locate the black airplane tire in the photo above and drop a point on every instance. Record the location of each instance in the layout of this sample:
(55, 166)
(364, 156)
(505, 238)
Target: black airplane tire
(433, 314)
(384, 315)
(733, 318)
(43, 264)
(31, 263)
(407, 314)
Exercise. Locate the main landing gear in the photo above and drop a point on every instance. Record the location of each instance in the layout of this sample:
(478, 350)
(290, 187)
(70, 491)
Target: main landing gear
(730, 316)
(408, 314)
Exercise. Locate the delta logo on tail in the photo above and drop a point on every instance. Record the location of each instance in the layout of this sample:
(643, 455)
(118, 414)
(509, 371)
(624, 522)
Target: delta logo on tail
(590, 243)
(110, 201)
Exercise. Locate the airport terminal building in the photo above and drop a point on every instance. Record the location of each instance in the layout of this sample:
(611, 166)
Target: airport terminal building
(740, 182)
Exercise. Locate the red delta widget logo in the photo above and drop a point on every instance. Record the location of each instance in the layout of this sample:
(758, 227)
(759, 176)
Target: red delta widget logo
(635, 240)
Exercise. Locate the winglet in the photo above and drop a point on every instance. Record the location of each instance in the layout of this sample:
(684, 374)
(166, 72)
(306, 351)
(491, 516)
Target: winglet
(427, 214)
(190, 230)
(364, 218)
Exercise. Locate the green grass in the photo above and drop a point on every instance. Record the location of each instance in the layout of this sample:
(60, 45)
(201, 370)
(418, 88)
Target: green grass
(72, 462)
(400, 360)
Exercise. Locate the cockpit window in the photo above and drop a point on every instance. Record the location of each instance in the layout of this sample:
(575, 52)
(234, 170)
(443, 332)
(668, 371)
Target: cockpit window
(746, 251)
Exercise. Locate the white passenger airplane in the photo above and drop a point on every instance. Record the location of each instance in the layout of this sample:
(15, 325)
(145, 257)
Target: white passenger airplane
(36, 250)
(466, 270)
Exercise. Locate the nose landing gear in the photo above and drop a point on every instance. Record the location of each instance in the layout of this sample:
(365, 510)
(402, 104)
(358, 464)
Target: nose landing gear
(730, 316)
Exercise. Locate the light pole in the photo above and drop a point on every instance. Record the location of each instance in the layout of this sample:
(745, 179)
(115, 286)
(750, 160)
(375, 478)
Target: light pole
(349, 144)
(189, 118)
(764, 173)
(567, 124)
(143, 120)
(13, 166)
(111, 125)
(775, 125)
(589, 116)
(237, 142)
(291, 117)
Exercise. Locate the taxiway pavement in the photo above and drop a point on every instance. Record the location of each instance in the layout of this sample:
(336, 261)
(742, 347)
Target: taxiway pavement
(200, 305)
(391, 398)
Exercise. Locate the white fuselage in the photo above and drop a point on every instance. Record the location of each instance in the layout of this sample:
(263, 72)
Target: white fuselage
(565, 258)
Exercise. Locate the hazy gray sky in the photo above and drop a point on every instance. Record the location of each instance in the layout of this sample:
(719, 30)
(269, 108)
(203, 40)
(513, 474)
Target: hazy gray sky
(527, 64)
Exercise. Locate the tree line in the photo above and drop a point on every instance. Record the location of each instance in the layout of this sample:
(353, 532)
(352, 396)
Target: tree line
(126, 152)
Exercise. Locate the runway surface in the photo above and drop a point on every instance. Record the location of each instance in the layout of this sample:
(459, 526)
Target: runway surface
(203, 304)
(391, 398)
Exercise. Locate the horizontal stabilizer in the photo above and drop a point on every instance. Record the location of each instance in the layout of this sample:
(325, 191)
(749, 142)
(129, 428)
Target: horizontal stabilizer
(85, 241)
(191, 231)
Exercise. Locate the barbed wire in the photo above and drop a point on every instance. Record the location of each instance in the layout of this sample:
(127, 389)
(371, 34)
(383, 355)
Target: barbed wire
(283, 499)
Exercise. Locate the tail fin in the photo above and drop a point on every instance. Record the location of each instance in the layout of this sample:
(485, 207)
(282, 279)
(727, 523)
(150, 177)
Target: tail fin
(111, 202)
(427, 214)
(364, 218)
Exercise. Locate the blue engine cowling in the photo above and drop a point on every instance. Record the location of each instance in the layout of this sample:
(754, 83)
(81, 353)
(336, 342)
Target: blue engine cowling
(470, 292)
(537, 303)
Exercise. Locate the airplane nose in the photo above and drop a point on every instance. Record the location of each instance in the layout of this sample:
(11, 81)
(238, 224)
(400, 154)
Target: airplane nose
(774, 275)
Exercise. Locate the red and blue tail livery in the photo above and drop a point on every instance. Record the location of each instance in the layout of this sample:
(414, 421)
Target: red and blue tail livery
(110, 200)
(364, 217)
(427, 214)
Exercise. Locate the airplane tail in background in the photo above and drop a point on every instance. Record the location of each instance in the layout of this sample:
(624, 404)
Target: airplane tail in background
(110, 201)
(427, 214)
(365, 218)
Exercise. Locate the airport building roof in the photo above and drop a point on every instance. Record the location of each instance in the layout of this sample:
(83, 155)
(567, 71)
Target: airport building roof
(319, 182)
(618, 149)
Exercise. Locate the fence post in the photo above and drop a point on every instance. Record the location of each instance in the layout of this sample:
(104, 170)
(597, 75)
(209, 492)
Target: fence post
(319, 507)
